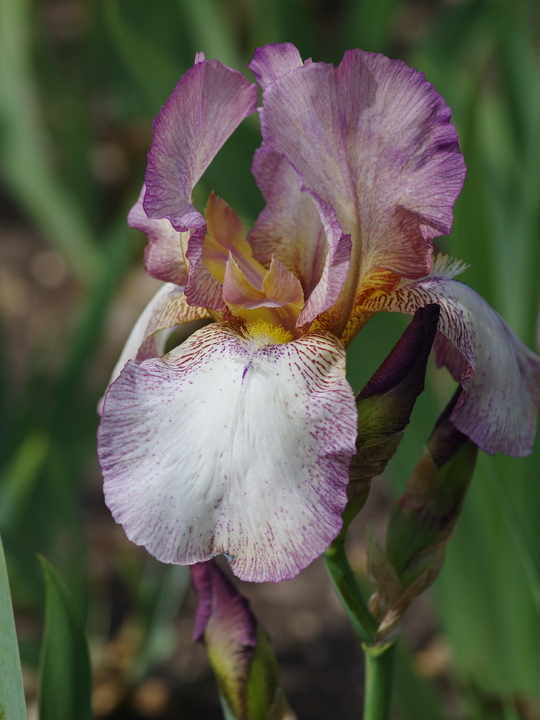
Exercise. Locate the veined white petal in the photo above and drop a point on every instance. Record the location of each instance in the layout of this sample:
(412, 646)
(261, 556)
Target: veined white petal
(167, 309)
(500, 376)
(229, 445)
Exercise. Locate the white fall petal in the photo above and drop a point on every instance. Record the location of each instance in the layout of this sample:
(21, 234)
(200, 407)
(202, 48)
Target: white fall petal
(167, 309)
(230, 445)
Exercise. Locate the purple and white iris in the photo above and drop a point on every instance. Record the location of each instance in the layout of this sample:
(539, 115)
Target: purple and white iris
(239, 441)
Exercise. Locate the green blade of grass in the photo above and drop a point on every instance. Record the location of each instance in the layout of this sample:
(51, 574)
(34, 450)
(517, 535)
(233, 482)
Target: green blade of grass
(12, 705)
(65, 675)
(87, 334)
(211, 31)
(515, 528)
(18, 479)
(156, 72)
(414, 696)
(26, 163)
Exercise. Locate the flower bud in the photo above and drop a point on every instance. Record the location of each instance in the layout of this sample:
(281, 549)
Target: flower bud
(421, 523)
(238, 648)
(386, 403)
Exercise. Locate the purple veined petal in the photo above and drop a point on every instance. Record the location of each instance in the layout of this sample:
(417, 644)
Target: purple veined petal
(500, 376)
(289, 228)
(272, 61)
(206, 106)
(164, 255)
(373, 139)
(327, 294)
(231, 445)
(303, 232)
(167, 309)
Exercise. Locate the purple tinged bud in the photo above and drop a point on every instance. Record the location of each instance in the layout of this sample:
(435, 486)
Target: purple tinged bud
(238, 648)
(386, 403)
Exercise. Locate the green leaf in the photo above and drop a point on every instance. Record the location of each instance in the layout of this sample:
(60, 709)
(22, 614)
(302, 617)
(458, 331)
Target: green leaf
(414, 696)
(154, 70)
(27, 165)
(12, 705)
(65, 674)
(19, 478)
(211, 31)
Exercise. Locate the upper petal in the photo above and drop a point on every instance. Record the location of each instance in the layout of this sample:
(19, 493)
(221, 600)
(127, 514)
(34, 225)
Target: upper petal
(373, 140)
(500, 376)
(163, 256)
(272, 61)
(207, 104)
(227, 445)
(303, 232)
(289, 228)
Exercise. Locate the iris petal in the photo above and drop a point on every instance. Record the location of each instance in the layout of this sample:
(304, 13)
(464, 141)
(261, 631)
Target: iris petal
(164, 255)
(289, 228)
(500, 376)
(272, 61)
(229, 446)
(372, 140)
(207, 104)
(167, 309)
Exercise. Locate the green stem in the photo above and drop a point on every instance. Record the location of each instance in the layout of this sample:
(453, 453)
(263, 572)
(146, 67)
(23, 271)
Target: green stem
(379, 679)
(348, 592)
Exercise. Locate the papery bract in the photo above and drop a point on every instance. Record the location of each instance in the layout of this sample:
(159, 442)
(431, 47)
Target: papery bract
(239, 441)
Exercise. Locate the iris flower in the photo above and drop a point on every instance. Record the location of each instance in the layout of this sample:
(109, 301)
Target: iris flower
(239, 440)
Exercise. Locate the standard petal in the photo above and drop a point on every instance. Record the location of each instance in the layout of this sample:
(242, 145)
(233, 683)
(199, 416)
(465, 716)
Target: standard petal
(372, 139)
(500, 376)
(163, 256)
(272, 61)
(327, 294)
(208, 103)
(289, 228)
(230, 445)
(167, 309)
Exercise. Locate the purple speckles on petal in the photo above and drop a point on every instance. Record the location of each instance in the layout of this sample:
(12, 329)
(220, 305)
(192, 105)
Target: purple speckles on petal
(282, 438)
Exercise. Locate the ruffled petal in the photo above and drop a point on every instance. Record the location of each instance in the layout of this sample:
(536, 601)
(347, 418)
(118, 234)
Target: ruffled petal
(327, 294)
(500, 376)
(272, 61)
(167, 309)
(164, 255)
(289, 228)
(207, 104)
(372, 139)
(229, 445)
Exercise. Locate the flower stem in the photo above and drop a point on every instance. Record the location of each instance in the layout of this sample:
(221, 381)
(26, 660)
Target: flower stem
(379, 679)
(348, 592)
(379, 660)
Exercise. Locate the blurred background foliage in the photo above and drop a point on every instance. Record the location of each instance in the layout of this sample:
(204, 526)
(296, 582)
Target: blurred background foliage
(80, 82)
